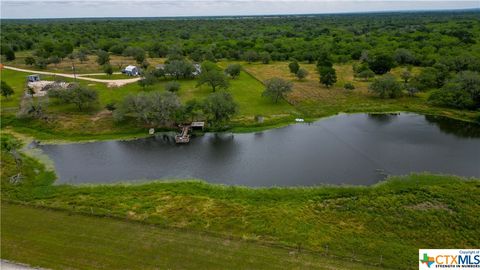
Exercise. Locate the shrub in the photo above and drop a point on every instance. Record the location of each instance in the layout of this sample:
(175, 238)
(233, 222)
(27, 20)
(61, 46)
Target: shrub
(172, 86)
(349, 86)
(451, 98)
(301, 73)
(111, 107)
(386, 87)
(233, 70)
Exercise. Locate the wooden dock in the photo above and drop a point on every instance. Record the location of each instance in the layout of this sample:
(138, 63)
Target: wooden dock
(184, 137)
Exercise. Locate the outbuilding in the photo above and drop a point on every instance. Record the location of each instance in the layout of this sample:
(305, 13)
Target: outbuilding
(33, 78)
(131, 71)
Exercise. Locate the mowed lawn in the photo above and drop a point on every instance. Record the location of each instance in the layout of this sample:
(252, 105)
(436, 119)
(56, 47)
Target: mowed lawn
(59, 240)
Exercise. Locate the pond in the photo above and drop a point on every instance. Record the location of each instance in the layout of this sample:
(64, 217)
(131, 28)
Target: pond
(357, 149)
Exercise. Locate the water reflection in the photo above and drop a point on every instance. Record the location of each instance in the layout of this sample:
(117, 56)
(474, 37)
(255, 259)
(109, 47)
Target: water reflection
(382, 118)
(345, 149)
(454, 127)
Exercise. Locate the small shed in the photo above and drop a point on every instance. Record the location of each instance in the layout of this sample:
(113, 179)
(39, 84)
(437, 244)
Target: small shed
(197, 125)
(33, 78)
(131, 70)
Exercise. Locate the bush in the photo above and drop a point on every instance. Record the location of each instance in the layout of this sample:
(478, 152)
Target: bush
(265, 57)
(451, 98)
(76, 94)
(294, 67)
(172, 86)
(233, 70)
(386, 86)
(349, 86)
(29, 61)
(111, 107)
(301, 73)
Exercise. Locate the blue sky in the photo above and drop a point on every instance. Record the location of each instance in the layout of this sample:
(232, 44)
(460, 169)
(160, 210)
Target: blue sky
(168, 8)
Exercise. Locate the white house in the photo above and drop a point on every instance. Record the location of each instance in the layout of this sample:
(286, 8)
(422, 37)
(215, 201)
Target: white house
(198, 69)
(131, 70)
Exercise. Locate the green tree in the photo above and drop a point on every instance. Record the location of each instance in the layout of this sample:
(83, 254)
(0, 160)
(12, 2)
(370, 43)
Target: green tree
(54, 60)
(426, 79)
(82, 55)
(214, 78)
(381, 63)
(250, 56)
(404, 57)
(6, 90)
(154, 108)
(406, 76)
(80, 96)
(219, 107)
(301, 73)
(147, 80)
(208, 66)
(179, 69)
(8, 52)
(324, 60)
(192, 111)
(265, 57)
(41, 63)
(366, 74)
(103, 57)
(29, 60)
(294, 67)
(233, 70)
(328, 76)
(386, 87)
(108, 69)
(277, 88)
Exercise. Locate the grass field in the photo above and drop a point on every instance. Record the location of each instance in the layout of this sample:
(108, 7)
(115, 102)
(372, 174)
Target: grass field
(385, 223)
(59, 240)
(315, 100)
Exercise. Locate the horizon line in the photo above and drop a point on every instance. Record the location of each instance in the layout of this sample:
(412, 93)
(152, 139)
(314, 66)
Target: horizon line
(257, 15)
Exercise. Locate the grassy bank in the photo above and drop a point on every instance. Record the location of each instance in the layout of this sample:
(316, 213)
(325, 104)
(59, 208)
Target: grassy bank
(386, 223)
(59, 240)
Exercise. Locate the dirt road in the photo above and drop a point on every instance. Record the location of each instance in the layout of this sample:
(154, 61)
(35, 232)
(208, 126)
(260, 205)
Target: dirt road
(110, 83)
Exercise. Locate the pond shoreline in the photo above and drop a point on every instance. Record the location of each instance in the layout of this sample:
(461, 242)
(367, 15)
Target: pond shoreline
(376, 146)
(31, 134)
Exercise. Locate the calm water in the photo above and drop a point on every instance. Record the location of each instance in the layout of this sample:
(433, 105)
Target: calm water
(344, 149)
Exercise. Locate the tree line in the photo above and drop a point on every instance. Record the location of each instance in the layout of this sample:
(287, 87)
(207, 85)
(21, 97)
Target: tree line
(420, 39)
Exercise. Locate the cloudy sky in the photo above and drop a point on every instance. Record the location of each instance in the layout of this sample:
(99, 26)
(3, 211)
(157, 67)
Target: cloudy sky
(168, 8)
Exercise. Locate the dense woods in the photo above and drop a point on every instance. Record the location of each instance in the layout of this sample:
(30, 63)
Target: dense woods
(418, 39)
